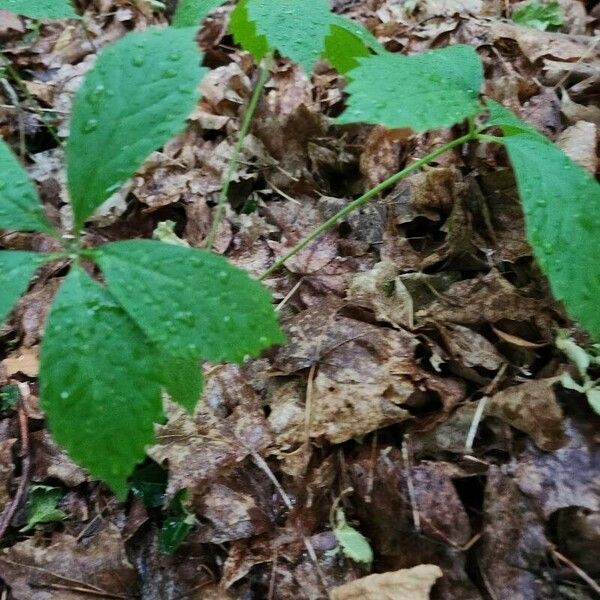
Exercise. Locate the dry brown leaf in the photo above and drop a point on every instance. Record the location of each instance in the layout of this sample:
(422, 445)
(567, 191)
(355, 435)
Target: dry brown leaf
(579, 112)
(531, 407)
(482, 8)
(516, 340)
(566, 477)
(504, 218)
(236, 507)
(470, 348)
(48, 460)
(487, 299)
(405, 584)
(536, 44)
(367, 378)
(579, 142)
(513, 545)
(384, 293)
(25, 361)
(35, 571)
(227, 426)
(381, 155)
(11, 25)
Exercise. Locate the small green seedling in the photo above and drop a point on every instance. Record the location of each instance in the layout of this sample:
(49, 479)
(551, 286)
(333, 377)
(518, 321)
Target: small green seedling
(539, 15)
(110, 348)
(41, 506)
(583, 360)
(351, 542)
(177, 525)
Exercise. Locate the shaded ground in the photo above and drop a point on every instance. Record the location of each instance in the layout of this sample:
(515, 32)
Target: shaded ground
(420, 387)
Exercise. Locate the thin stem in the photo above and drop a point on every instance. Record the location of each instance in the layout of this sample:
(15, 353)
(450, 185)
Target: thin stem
(235, 154)
(16, 77)
(352, 206)
(483, 137)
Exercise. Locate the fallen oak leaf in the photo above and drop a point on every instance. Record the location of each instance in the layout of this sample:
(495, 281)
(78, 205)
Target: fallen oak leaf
(404, 584)
(531, 407)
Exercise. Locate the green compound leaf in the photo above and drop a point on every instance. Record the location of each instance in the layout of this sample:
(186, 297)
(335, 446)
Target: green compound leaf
(424, 91)
(182, 378)
(561, 202)
(245, 33)
(97, 376)
(41, 9)
(20, 206)
(347, 41)
(296, 29)
(507, 120)
(134, 99)
(539, 16)
(359, 31)
(190, 13)
(190, 302)
(17, 268)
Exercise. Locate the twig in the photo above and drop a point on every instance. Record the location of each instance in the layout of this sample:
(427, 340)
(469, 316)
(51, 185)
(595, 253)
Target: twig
(289, 295)
(76, 582)
(235, 154)
(273, 577)
(79, 590)
(583, 56)
(578, 570)
(475, 424)
(11, 507)
(20, 114)
(264, 467)
(409, 484)
(372, 462)
(366, 197)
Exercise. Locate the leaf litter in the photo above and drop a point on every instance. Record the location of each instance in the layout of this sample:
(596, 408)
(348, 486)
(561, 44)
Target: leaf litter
(419, 390)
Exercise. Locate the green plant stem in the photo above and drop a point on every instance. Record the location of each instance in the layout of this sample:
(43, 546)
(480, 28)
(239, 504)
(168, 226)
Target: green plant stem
(483, 137)
(16, 77)
(235, 155)
(366, 197)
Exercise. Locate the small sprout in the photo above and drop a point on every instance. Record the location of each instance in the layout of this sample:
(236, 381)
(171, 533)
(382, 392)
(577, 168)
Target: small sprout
(539, 15)
(41, 506)
(353, 544)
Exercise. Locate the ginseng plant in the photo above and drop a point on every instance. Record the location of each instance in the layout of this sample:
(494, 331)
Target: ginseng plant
(133, 318)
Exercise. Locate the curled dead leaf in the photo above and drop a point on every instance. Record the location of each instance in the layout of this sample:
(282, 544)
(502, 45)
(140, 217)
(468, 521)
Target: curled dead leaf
(405, 584)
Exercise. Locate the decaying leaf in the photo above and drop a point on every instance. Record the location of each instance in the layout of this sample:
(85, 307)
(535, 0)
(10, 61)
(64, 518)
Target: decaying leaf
(531, 407)
(405, 584)
(513, 543)
(566, 477)
(198, 448)
(58, 571)
(579, 142)
(366, 378)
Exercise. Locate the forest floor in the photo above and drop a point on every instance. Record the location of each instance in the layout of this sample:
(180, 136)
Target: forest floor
(419, 394)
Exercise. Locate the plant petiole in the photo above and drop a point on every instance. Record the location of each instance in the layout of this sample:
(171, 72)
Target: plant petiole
(366, 197)
(263, 76)
(494, 139)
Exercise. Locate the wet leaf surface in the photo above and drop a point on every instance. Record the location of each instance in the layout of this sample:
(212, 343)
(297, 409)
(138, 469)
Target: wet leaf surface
(419, 390)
